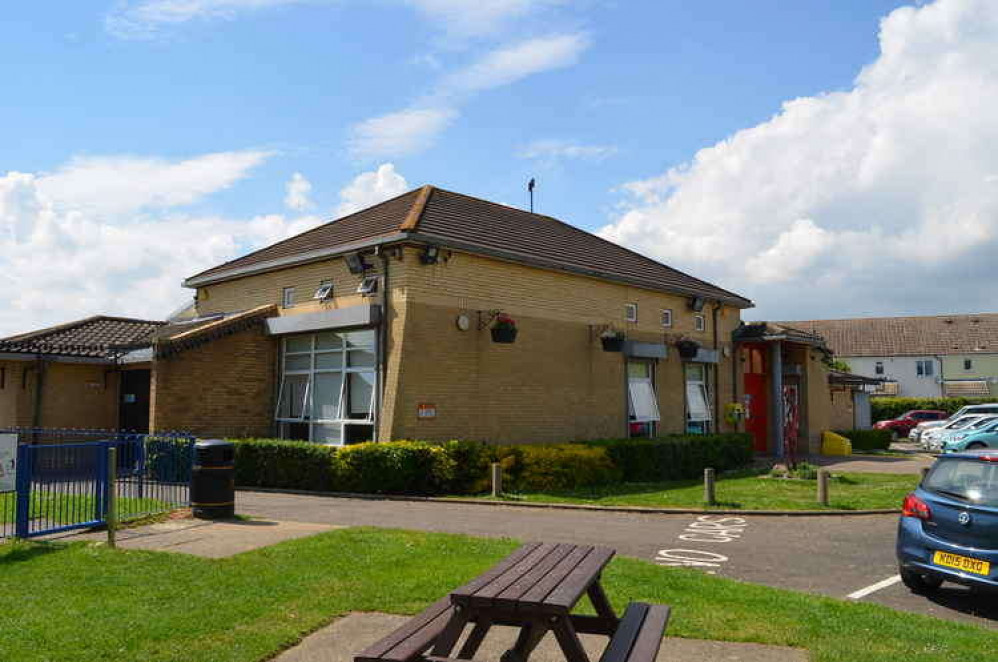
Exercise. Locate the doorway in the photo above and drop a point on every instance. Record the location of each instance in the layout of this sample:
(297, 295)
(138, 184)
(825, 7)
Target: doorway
(133, 406)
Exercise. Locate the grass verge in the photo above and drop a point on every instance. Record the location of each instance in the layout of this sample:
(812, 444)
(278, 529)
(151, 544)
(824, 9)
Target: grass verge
(88, 603)
(744, 490)
(71, 508)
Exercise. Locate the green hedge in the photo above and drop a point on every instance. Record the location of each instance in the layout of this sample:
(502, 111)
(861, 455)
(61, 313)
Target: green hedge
(677, 457)
(882, 409)
(867, 440)
(462, 467)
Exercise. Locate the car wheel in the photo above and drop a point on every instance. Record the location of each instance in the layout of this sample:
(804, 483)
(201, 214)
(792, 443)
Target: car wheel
(976, 445)
(919, 583)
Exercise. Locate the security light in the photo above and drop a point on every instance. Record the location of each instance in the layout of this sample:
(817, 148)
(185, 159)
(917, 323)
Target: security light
(355, 263)
(697, 304)
(430, 254)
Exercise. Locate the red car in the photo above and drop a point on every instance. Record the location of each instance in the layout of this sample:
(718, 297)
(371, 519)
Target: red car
(902, 425)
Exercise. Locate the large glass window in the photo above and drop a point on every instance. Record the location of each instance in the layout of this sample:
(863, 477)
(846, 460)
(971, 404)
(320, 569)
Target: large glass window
(642, 403)
(699, 416)
(328, 387)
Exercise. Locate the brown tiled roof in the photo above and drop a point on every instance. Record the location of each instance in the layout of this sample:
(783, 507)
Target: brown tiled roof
(176, 338)
(478, 226)
(908, 336)
(94, 337)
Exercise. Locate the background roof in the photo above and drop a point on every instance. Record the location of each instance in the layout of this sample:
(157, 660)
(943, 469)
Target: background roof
(94, 337)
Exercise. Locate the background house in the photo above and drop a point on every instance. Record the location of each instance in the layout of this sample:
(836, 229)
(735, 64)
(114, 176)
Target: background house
(937, 356)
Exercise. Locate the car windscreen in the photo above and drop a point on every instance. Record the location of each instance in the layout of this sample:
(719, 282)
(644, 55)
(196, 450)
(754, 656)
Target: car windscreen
(973, 481)
(961, 423)
(978, 424)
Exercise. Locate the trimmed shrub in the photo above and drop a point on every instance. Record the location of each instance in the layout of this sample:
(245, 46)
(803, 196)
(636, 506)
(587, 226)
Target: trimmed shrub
(298, 465)
(677, 457)
(882, 409)
(169, 459)
(562, 467)
(867, 440)
(471, 466)
(399, 467)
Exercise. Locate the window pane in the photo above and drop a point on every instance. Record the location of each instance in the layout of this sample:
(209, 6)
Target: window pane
(643, 406)
(328, 433)
(696, 402)
(292, 403)
(359, 338)
(326, 399)
(638, 369)
(328, 340)
(297, 362)
(928, 368)
(298, 344)
(329, 361)
(695, 372)
(360, 358)
(361, 389)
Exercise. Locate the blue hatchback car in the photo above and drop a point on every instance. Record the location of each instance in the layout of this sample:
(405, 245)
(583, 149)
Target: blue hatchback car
(949, 526)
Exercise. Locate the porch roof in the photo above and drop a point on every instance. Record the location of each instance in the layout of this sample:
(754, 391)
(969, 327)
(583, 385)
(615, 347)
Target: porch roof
(100, 337)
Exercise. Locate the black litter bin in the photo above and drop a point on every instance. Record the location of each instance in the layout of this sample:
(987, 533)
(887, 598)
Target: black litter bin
(213, 480)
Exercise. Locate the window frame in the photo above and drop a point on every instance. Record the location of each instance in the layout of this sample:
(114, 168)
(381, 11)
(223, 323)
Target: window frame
(324, 291)
(667, 318)
(630, 312)
(344, 369)
(288, 297)
(968, 364)
(878, 368)
(701, 385)
(924, 368)
(700, 323)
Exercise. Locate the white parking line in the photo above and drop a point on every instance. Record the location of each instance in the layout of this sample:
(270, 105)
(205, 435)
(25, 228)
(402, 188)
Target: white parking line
(873, 588)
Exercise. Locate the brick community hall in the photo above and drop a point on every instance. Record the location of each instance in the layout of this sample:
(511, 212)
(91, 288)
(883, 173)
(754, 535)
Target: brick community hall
(433, 315)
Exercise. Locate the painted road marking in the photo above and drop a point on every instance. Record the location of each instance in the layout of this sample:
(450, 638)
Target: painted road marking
(873, 588)
(709, 529)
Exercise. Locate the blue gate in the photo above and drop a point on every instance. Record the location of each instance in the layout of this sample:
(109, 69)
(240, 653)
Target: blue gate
(63, 479)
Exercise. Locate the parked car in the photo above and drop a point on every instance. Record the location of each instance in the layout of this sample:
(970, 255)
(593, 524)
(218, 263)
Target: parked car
(903, 424)
(931, 440)
(943, 437)
(983, 434)
(917, 432)
(948, 529)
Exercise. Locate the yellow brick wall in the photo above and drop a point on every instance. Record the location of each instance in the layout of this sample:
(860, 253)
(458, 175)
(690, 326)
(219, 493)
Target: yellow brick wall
(80, 395)
(224, 388)
(555, 383)
(261, 289)
(842, 415)
(13, 412)
(819, 400)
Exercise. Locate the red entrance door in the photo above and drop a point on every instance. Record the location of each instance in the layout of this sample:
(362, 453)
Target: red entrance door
(757, 410)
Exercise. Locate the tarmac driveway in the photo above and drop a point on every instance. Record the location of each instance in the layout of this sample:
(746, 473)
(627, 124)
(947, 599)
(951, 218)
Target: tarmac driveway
(832, 555)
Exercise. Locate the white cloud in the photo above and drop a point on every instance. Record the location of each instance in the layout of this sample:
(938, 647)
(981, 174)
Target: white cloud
(370, 188)
(297, 192)
(870, 200)
(416, 128)
(118, 184)
(550, 152)
(400, 133)
(65, 254)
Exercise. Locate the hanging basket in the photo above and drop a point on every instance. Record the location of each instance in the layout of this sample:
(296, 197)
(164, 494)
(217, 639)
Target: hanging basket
(504, 335)
(613, 343)
(688, 348)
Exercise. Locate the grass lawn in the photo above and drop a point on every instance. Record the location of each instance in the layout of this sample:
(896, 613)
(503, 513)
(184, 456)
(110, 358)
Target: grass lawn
(88, 603)
(71, 508)
(749, 491)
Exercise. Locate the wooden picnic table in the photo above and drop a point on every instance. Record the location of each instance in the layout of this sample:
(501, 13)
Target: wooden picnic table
(535, 590)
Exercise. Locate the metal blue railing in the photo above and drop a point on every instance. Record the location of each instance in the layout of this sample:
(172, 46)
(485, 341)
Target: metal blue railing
(63, 478)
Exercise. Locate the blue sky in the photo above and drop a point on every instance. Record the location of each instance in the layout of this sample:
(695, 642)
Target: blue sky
(185, 121)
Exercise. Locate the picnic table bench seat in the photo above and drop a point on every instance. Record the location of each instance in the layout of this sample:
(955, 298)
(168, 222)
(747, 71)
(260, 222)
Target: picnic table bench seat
(639, 635)
(414, 638)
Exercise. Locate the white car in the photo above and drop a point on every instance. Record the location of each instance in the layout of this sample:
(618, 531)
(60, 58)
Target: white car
(932, 440)
(920, 429)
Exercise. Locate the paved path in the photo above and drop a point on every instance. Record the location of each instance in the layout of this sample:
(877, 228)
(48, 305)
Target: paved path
(340, 640)
(831, 555)
(882, 464)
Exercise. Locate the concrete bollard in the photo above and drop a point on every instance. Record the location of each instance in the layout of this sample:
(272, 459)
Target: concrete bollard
(496, 480)
(823, 487)
(709, 492)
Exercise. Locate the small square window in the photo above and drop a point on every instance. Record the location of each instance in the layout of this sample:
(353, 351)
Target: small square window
(325, 290)
(667, 317)
(368, 286)
(878, 367)
(288, 297)
(968, 364)
(699, 322)
(631, 312)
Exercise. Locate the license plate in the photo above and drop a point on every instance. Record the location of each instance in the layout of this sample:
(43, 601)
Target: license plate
(964, 563)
